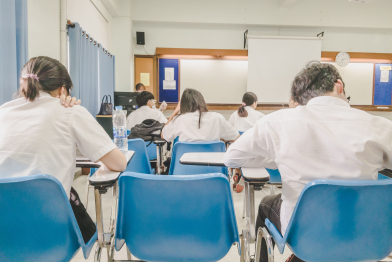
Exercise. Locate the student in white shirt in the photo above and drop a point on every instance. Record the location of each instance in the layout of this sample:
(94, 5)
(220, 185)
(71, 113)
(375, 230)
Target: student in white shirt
(243, 119)
(145, 101)
(324, 139)
(195, 123)
(38, 135)
(140, 88)
(246, 116)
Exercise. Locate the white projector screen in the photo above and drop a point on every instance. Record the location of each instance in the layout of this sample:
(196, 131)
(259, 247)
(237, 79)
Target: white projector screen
(219, 81)
(274, 61)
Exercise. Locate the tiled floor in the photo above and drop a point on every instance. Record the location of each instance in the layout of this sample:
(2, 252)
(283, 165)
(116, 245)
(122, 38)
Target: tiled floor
(232, 256)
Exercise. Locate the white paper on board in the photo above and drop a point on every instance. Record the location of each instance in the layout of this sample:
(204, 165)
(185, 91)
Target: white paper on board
(384, 76)
(169, 73)
(169, 84)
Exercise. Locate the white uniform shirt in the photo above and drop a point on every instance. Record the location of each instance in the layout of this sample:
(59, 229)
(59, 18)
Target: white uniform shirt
(40, 137)
(213, 127)
(244, 123)
(143, 113)
(326, 139)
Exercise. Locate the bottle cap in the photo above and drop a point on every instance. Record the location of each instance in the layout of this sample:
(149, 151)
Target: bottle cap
(118, 107)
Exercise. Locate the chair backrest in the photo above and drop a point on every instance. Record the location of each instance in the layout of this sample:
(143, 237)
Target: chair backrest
(176, 218)
(342, 221)
(181, 148)
(274, 176)
(151, 150)
(140, 162)
(37, 222)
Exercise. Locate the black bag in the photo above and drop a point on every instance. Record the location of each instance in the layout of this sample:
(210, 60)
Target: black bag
(149, 130)
(106, 107)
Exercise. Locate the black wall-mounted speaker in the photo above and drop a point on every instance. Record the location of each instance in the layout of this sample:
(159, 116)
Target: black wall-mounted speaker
(140, 38)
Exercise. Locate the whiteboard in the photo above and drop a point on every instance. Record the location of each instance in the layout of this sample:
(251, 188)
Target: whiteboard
(219, 81)
(275, 61)
(358, 80)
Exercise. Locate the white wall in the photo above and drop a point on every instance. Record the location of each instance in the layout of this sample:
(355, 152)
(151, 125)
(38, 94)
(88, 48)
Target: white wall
(325, 13)
(44, 28)
(122, 49)
(96, 22)
(226, 36)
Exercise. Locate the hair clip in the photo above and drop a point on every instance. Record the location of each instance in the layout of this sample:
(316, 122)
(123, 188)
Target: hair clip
(243, 104)
(32, 76)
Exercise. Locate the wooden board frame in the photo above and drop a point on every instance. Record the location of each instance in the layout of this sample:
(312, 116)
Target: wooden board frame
(233, 54)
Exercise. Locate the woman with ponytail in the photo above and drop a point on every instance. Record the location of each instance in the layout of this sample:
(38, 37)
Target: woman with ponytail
(192, 122)
(40, 135)
(243, 119)
(246, 116)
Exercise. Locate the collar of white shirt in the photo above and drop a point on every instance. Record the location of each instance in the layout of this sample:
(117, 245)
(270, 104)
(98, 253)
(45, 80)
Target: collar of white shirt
(328, 101)
(41, 93)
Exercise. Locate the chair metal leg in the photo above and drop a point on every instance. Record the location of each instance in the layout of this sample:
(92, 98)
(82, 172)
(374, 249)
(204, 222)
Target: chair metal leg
(97, 256)
(129, 255)
(242, 258)
(113, 214)
(272, 190)
(243, 207)
(270, 247)
(98, 212)
(87, 191)
(259, 238)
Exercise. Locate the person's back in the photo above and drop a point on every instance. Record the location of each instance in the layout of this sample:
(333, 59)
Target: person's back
(34, 141)
(195, 123)
(326, 139)
(213, 127)
(244, 123)
(145, 102)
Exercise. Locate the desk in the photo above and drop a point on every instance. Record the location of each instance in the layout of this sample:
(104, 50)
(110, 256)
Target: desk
(102, 180)
(203, 159)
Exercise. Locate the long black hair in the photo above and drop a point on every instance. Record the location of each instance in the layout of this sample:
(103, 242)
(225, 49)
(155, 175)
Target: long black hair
(192, 101)
(45, 74)
(247, 100)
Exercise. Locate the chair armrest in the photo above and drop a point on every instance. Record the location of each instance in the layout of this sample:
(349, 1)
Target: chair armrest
(279, 240)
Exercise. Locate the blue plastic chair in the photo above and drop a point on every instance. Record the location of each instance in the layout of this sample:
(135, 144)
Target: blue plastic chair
(181, 148)
(275, 177)
(176, 218)
(37, 222)
(340, 221)
(140, 162)
(151, 151)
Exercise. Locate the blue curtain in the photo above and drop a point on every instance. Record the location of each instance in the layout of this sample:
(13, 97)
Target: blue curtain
(91, 69)
(13, 45)
(106, 74)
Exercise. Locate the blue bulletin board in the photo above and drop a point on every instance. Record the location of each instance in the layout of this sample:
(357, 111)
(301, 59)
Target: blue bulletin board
(168, 95)
(382, 90)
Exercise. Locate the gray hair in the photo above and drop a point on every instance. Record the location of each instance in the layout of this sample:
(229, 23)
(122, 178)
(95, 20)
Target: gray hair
(316, 79)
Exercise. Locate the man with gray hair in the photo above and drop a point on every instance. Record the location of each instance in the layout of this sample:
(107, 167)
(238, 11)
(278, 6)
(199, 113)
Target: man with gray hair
(322, 138)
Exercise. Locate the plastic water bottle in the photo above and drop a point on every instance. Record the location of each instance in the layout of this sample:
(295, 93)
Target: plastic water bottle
(120, 129)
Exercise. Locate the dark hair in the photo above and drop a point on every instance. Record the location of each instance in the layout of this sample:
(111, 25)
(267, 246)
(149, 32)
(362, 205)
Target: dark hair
(143, 98)
(139, 86)
(45, 74)
(316, 79)
(247, 100)
(192, 101)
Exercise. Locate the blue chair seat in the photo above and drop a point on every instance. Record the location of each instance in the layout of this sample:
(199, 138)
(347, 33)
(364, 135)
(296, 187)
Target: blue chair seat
(37, 222)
